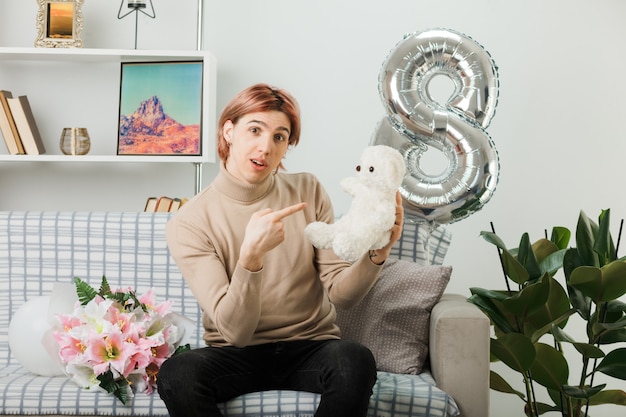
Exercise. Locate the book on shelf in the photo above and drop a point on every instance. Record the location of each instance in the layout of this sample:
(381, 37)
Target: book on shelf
(175, 204)
(8, 127)
(163, 204)
(151, 204)
(26, 125)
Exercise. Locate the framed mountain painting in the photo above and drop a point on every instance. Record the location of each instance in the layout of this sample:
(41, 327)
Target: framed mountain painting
(160, 110)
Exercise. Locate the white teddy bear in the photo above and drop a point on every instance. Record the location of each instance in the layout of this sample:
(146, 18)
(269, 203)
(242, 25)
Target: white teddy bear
(367, 224)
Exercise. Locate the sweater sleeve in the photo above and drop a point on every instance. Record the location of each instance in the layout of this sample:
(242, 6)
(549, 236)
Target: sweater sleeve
(347, 286)
(233, 306)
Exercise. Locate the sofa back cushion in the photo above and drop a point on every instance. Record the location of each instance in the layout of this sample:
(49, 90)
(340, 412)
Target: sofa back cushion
(38, 249)
(421, 243)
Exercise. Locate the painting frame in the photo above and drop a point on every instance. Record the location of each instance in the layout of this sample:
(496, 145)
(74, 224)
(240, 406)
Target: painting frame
(59, 24)
(161, 108)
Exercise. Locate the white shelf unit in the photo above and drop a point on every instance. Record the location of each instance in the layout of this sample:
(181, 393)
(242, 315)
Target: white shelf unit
(79, 87)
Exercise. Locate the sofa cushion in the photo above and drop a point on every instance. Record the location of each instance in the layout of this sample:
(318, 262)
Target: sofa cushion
(23, 393)
(393, 319)
(393, 395)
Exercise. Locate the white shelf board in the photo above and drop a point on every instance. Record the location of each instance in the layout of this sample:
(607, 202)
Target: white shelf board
(104, 158)
(97, 55)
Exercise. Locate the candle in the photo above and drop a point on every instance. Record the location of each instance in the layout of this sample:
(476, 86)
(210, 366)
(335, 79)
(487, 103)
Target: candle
(136, 4)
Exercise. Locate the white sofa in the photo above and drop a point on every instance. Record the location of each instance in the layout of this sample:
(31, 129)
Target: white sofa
(38, 249)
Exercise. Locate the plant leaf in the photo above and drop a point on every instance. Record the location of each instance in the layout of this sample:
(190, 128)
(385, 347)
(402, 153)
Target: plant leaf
(543, 248)
(585, 349)
(579, 301)
(529, 299)
(550, 368)
(613, 336)
(603, 244)
(181, 349)
(558, 397)
(619, 324)
(497, 383)
(515, 350)
(493, 239)
(582, 393)
(560, 335)
(552, 262)
(105, 289)
(616, 306)
(543, 408)
(560, 237)
(536, 335)
(526, 257)
(601, 284)
(490, 294)
(614, 364)
(490, 309)
(514, 269)
(609, 396)
(85, 292)
(117, 387)
(586, 230)
(556, 310)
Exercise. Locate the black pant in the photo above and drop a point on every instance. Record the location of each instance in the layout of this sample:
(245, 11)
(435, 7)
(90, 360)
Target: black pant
(193, 383)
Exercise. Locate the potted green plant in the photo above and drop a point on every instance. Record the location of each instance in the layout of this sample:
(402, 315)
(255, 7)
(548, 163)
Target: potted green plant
(529, 317)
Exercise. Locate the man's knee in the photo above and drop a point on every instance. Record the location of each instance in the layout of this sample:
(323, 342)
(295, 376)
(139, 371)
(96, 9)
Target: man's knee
(175, 371)
(354, 360)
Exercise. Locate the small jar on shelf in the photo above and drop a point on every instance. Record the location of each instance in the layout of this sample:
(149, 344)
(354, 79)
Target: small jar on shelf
(75, 141)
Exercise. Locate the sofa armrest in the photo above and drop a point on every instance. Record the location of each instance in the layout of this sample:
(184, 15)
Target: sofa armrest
(459, 353)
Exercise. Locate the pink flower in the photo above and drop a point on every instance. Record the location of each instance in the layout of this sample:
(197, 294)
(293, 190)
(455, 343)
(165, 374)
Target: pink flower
(149, 300)
(69, 322)
(72, 349)
(109, 352)
(139, 359)
(120, 318)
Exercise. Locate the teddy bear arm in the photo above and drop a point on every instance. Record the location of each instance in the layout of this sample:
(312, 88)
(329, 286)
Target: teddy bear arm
(351, 246)
(320, 234)
(382, 240)
(350, 185)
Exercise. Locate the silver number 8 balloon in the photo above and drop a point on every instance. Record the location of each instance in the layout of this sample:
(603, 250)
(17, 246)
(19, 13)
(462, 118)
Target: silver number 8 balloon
(457, 128)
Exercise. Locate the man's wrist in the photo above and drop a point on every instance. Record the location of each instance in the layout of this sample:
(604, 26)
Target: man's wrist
(251, 262)
(377, 258)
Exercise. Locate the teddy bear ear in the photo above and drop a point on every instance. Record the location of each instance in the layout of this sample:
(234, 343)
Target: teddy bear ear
(402, 165)
(400, 172)
(396, 161)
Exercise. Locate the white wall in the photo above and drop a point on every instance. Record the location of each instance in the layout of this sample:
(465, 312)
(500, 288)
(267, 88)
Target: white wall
(557, 127)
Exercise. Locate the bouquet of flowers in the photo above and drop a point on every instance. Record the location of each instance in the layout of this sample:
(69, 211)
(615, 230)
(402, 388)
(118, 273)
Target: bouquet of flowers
(117, 340)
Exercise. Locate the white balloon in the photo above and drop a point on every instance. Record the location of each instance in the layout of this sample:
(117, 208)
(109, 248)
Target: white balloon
(62, 300)
(27, 330)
